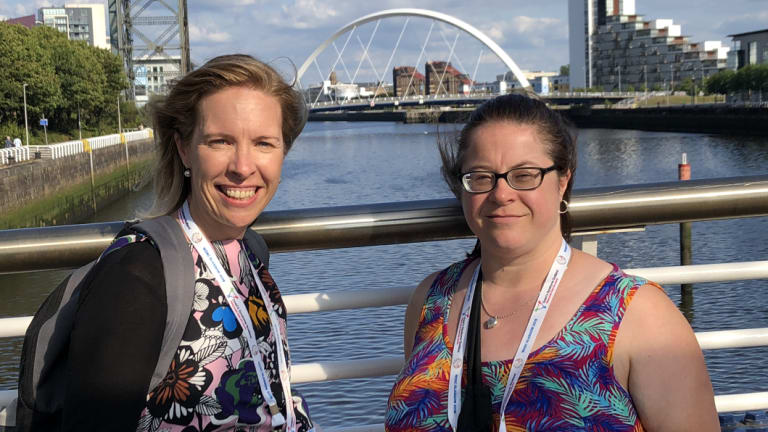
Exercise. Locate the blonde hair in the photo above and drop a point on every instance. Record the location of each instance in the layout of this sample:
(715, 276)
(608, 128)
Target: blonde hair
(178, 114)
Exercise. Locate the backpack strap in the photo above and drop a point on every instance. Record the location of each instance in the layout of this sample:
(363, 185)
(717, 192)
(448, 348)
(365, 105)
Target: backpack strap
(179, 272)
(257, 245)
(56, 319)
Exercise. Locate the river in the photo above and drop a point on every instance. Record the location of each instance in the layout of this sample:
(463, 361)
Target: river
(334, 164)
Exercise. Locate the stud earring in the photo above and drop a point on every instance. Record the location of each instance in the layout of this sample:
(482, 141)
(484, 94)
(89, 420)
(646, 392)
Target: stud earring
(187, 173)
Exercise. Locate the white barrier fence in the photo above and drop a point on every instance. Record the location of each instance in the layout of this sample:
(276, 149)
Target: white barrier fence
(347, 369)
(69, 148)
(14, 154)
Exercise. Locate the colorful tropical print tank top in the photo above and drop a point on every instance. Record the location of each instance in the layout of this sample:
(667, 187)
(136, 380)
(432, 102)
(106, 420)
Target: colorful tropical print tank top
(566, 385)
(211, 384)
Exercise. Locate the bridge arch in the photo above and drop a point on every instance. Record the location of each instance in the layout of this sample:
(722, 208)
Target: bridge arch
(424, 13)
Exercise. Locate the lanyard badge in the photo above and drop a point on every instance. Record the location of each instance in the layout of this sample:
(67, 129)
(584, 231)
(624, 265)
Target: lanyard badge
(206, 252)
(546, 294)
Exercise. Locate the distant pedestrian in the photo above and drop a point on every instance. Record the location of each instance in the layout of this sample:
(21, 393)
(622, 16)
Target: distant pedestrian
(17, 142)
(8, 142)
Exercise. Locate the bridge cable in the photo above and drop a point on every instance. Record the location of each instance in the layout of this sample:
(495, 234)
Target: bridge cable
(423, 47)
(391, 56)
(365, 50)
(447, 63)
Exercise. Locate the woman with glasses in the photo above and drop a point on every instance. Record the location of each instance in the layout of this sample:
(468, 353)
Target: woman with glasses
(527, 333)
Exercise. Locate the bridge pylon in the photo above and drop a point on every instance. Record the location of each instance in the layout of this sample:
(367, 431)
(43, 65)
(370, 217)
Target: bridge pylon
(152, 38)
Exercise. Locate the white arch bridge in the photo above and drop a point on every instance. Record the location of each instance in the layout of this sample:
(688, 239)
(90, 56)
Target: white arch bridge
(351, 44)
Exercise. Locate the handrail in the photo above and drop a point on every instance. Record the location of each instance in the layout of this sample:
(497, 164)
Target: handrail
(376, 224)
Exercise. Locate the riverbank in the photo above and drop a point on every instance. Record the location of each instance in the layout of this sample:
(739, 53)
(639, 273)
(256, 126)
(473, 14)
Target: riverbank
(59, 191)
(705, 118)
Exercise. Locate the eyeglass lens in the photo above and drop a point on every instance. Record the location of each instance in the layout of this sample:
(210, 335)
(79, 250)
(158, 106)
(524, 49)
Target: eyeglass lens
(519, 178)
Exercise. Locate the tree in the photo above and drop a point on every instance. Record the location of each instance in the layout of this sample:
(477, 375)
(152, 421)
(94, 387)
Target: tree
(62, 77)
(565, 70)
(687, 86)
(719, 83)
(31, 63)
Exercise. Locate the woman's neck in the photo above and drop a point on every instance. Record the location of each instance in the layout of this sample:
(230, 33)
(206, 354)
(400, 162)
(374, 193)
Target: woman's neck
(212, 229)
(502, 269)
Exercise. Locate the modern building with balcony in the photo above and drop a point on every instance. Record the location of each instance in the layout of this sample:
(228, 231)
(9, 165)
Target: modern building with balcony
(749, 48)
(86, 22)
(624, 50)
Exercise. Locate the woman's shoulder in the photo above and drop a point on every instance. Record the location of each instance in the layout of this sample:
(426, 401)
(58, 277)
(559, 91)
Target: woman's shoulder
(134, 264)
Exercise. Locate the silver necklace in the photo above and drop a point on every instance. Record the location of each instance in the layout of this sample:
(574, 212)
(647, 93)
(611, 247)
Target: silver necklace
(493, 320)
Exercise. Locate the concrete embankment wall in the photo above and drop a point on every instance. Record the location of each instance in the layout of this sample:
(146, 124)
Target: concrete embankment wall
(58, 191)
(706, 119)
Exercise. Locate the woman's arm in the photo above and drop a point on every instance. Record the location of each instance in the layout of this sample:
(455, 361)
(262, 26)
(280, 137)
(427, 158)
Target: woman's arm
(115, 341)
(413, 313)
(668, 379)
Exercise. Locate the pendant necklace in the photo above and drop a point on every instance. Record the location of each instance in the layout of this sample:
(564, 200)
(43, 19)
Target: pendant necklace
(493, 321)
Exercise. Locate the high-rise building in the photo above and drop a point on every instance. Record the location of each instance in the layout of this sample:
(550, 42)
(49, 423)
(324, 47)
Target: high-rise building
(85, 22)
(584, 19)
(613, 48)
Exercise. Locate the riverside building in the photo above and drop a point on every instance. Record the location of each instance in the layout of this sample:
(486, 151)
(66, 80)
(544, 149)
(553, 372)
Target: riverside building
(613, 48)
(86, 22)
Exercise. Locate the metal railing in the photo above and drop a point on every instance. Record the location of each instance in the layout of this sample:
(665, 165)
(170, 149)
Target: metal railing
(593, 211)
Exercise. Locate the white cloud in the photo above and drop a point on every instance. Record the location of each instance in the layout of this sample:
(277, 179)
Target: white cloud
(494, 31)
(306, 14)
(204, 34)
(526, 25)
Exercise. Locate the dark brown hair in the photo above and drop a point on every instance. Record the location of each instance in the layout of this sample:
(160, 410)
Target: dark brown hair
(178, 113)
(555, 131)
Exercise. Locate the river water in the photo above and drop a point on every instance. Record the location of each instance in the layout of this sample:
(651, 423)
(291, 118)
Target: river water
(334, 164)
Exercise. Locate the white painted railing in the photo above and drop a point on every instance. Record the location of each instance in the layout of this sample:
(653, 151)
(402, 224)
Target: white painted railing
(14, 154)
(347, 369)
(69, 148)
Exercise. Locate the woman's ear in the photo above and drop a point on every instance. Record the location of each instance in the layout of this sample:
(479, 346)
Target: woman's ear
(563, 183)
(181, 149)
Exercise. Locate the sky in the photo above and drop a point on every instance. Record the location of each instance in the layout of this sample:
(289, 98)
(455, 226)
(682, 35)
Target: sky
(533, 33)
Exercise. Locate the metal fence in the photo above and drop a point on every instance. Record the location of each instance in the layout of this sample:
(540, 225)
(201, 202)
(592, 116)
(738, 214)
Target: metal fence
(594, 211)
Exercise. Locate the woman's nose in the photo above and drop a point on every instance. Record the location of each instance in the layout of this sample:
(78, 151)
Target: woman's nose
(243, 163)
(503, 192)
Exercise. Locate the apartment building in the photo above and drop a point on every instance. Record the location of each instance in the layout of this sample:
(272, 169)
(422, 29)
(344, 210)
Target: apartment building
(86, 22)
(614, 48)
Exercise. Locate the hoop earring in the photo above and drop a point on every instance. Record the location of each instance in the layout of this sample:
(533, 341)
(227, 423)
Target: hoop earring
(187, 173)
(563, 210)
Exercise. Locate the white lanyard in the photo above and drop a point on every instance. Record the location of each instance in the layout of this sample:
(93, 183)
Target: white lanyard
(546, 294)
(204, 248)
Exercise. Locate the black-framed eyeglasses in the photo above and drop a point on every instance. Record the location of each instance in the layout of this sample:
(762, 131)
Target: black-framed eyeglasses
(523, 178)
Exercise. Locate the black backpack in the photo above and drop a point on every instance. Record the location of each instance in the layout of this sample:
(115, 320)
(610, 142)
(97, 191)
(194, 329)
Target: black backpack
(43, 365)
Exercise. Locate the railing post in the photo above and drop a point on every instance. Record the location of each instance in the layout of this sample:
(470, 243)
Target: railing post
(686, 255)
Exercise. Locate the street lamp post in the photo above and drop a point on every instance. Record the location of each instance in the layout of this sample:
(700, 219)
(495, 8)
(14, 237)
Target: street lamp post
(619, 69)
(26, 124)
(119, 123)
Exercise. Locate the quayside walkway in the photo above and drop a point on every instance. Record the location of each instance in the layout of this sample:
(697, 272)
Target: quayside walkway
(595, 212)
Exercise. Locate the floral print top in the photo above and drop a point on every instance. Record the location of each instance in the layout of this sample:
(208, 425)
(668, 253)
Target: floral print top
(566, 385)
(211, 383)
